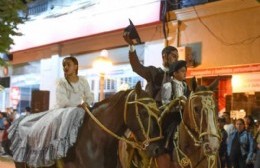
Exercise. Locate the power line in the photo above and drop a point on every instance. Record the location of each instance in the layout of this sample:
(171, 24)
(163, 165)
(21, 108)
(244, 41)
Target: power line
(246, 41)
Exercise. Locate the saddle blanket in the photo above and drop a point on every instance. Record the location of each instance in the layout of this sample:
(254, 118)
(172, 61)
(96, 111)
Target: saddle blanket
(40, 139)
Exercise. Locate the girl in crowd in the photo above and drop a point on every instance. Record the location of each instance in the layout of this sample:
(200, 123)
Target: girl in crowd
(240, 146)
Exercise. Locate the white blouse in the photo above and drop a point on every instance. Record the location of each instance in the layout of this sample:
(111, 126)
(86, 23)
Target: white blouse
(67, 96)
(167, 91)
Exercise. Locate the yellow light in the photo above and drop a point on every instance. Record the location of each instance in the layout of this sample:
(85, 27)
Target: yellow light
(102, 63)
(237, 82)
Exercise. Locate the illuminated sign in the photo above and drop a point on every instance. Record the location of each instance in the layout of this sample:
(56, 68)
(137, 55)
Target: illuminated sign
(15, 95)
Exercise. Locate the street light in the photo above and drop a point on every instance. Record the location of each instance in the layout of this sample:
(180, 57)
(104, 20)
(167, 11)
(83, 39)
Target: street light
(102, 65)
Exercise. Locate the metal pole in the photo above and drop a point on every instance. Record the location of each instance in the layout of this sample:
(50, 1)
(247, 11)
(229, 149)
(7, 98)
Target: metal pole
(101, 86)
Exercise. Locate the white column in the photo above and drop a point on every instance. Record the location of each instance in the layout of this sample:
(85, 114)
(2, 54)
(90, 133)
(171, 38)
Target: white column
(153, 53)
(50, 68)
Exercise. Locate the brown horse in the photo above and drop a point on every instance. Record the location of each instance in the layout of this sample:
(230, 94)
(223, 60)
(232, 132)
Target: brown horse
(197, 139)
(97, 141)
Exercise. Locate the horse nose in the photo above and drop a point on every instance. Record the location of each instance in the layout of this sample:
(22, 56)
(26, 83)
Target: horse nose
(210, 149)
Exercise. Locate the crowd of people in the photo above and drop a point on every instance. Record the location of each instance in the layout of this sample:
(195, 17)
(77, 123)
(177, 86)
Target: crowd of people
(6, 119)
(240, 145)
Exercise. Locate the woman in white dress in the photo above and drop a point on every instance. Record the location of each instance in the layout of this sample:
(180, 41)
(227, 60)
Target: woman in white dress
(72, 89)
(40, 139)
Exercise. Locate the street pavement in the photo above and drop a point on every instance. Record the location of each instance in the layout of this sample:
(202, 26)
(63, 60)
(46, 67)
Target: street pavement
(6, 162)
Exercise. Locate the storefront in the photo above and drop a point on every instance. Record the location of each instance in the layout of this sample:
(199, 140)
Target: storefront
(238, 90)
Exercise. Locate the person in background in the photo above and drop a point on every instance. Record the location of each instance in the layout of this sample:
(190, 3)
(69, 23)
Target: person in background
(257, 139)
(249, 124)
(229, 128)
(250, 127)
(240, 146)
(2, 119)
(5, 141)
(223, 143)
(27, 111)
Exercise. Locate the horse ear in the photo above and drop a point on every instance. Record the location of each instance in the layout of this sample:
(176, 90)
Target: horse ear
(138, 88)
(214, 84)
(193, 84)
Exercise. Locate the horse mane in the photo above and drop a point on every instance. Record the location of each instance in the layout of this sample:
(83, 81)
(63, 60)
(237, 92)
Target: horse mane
(114, 99)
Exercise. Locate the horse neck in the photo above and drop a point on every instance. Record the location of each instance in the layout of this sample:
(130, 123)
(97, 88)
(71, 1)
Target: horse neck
(187, 146)
(111, 116)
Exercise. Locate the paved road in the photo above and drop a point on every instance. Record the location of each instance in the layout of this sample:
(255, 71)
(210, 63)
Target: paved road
(6, 163)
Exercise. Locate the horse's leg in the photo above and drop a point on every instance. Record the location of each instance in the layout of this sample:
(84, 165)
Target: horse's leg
(20, 165)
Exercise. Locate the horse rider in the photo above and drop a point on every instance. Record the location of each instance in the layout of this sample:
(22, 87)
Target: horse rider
(154, 76)
(176, 88)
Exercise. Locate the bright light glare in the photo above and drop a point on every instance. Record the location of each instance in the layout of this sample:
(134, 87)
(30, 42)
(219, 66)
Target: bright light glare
(237, 82)
(102, 65)
(104, 53)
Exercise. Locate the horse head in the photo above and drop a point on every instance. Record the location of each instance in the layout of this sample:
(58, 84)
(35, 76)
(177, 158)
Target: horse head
(199, 118)
(141, 117)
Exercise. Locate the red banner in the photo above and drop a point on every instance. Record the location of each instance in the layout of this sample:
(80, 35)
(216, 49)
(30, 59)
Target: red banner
(223, 70)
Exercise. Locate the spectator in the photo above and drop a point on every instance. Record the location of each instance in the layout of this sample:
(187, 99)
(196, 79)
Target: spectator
(257, 138)
(27, 111)
(2, 118)
(5, 141)
(240, 146)
(249, 124)
(223, 143)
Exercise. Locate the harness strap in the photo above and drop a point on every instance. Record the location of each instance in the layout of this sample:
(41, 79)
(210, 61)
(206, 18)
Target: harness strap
(132, 143)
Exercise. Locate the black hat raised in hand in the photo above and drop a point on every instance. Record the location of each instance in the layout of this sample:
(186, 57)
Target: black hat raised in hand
(133, 34)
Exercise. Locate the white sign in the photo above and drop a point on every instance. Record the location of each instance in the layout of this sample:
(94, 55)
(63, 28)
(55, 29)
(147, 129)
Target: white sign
(246, 82)
(236, 114)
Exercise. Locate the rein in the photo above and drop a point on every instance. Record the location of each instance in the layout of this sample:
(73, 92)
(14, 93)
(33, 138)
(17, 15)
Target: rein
(207, 106)
(150, 107)
(134, 144)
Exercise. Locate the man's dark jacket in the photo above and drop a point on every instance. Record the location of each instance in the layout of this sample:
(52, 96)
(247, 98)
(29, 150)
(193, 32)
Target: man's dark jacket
(153, 76)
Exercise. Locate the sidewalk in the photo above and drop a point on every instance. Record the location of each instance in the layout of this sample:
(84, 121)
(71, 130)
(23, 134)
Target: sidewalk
(6, 162)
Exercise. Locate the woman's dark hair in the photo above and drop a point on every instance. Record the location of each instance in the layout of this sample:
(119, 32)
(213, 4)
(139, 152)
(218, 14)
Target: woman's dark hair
(241, 120)
(75, 61)
(252, 122)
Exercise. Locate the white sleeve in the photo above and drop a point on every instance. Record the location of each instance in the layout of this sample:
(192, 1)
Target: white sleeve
(61, 95)
(88, 95)
(179, 90)
(166, 92)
